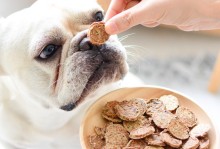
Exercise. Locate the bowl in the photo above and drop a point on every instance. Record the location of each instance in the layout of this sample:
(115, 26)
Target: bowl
(93, 116)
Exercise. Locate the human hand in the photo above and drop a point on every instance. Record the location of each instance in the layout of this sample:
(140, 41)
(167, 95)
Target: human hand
(187, 15)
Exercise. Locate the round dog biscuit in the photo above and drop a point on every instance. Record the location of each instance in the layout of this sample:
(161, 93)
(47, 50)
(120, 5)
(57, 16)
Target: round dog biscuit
(178, 129)
(96, 142)
(191, 143)
(140, 144)
(154, 139)
(141, 132)
(153, 147)
(100, 131)
(154, 105)
(97, 33)
(162, 118)
(186, 116)
(116, 135)
(171, 141)
(127, 110)
(131, 125)
(204, 143)
(141, 104)
(199, 130)
(170, 102)
(108, 112)
(118, 139)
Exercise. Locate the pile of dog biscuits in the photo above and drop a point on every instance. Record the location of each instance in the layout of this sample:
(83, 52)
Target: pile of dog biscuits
(149, 124)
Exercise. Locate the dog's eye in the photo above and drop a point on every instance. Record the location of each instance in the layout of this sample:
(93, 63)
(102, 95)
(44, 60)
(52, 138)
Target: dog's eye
(99, 16)
(48, 51)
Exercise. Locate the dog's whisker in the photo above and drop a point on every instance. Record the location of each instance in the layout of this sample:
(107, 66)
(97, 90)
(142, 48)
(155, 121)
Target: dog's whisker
(125, 37)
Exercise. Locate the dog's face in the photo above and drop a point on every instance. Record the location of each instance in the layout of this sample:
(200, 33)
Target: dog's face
(46, 51)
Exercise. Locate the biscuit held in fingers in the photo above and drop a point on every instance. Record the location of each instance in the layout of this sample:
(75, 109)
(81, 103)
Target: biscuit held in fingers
(97, 34)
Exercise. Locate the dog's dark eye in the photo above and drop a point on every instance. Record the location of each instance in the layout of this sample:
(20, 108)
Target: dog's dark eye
(99, 16)
(48, 51)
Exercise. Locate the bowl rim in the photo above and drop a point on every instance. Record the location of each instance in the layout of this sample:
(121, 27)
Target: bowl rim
(147, 87)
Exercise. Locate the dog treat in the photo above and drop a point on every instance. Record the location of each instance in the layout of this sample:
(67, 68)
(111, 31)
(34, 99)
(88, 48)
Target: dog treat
(116, 135)
(142, 132)
(149, 124)
(154, 105)
(186, 116)
(154, 139)
(132, 144)
(162, 118)
(97, 34)
(171, 141)
(204, 143)
(170, 102)
(178, 129)
(96, 141)
(200, 130)
(109, 146)
(100, 131)
(131, 125)
(141, 103)
(191, 143)
(153, 147)
(108, 112)
(127, 110)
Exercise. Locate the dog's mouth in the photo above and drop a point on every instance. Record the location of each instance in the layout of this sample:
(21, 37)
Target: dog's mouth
(90, 85)
(100, 65)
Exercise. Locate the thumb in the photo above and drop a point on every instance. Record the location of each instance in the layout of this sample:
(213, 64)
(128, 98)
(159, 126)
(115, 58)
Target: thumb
(123, 21)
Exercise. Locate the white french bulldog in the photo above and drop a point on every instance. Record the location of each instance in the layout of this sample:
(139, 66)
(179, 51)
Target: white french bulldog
(50, 73)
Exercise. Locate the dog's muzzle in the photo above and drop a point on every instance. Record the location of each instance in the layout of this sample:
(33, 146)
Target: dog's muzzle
(84, 45)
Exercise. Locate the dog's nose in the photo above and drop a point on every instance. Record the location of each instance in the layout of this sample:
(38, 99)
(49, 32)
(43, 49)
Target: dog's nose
(86, 45)
(68, 107)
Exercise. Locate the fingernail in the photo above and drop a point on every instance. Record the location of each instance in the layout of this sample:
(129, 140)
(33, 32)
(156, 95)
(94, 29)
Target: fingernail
(111, 28)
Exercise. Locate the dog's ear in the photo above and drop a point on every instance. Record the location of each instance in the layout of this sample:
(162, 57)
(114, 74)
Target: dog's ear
(1, 22)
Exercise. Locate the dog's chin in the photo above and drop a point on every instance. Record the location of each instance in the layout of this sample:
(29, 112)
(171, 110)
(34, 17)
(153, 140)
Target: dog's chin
(98, 79)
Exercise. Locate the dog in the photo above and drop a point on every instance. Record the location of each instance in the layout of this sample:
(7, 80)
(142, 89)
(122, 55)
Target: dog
(50, 73)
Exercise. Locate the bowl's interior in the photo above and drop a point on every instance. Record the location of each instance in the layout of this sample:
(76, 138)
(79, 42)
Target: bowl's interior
(93, 115)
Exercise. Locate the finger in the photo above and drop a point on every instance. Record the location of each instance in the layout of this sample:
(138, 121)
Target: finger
(186, 28)
(115, 7)
(124, 20)
(152, 24)
(131, 4)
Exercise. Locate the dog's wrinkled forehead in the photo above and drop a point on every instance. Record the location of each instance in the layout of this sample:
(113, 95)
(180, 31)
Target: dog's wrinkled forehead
(79, 10)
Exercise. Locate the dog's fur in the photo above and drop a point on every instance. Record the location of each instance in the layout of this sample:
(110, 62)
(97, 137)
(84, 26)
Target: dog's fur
(34, 90)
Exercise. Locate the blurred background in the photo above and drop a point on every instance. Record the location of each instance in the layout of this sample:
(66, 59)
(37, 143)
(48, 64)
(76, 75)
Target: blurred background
(165, 56)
